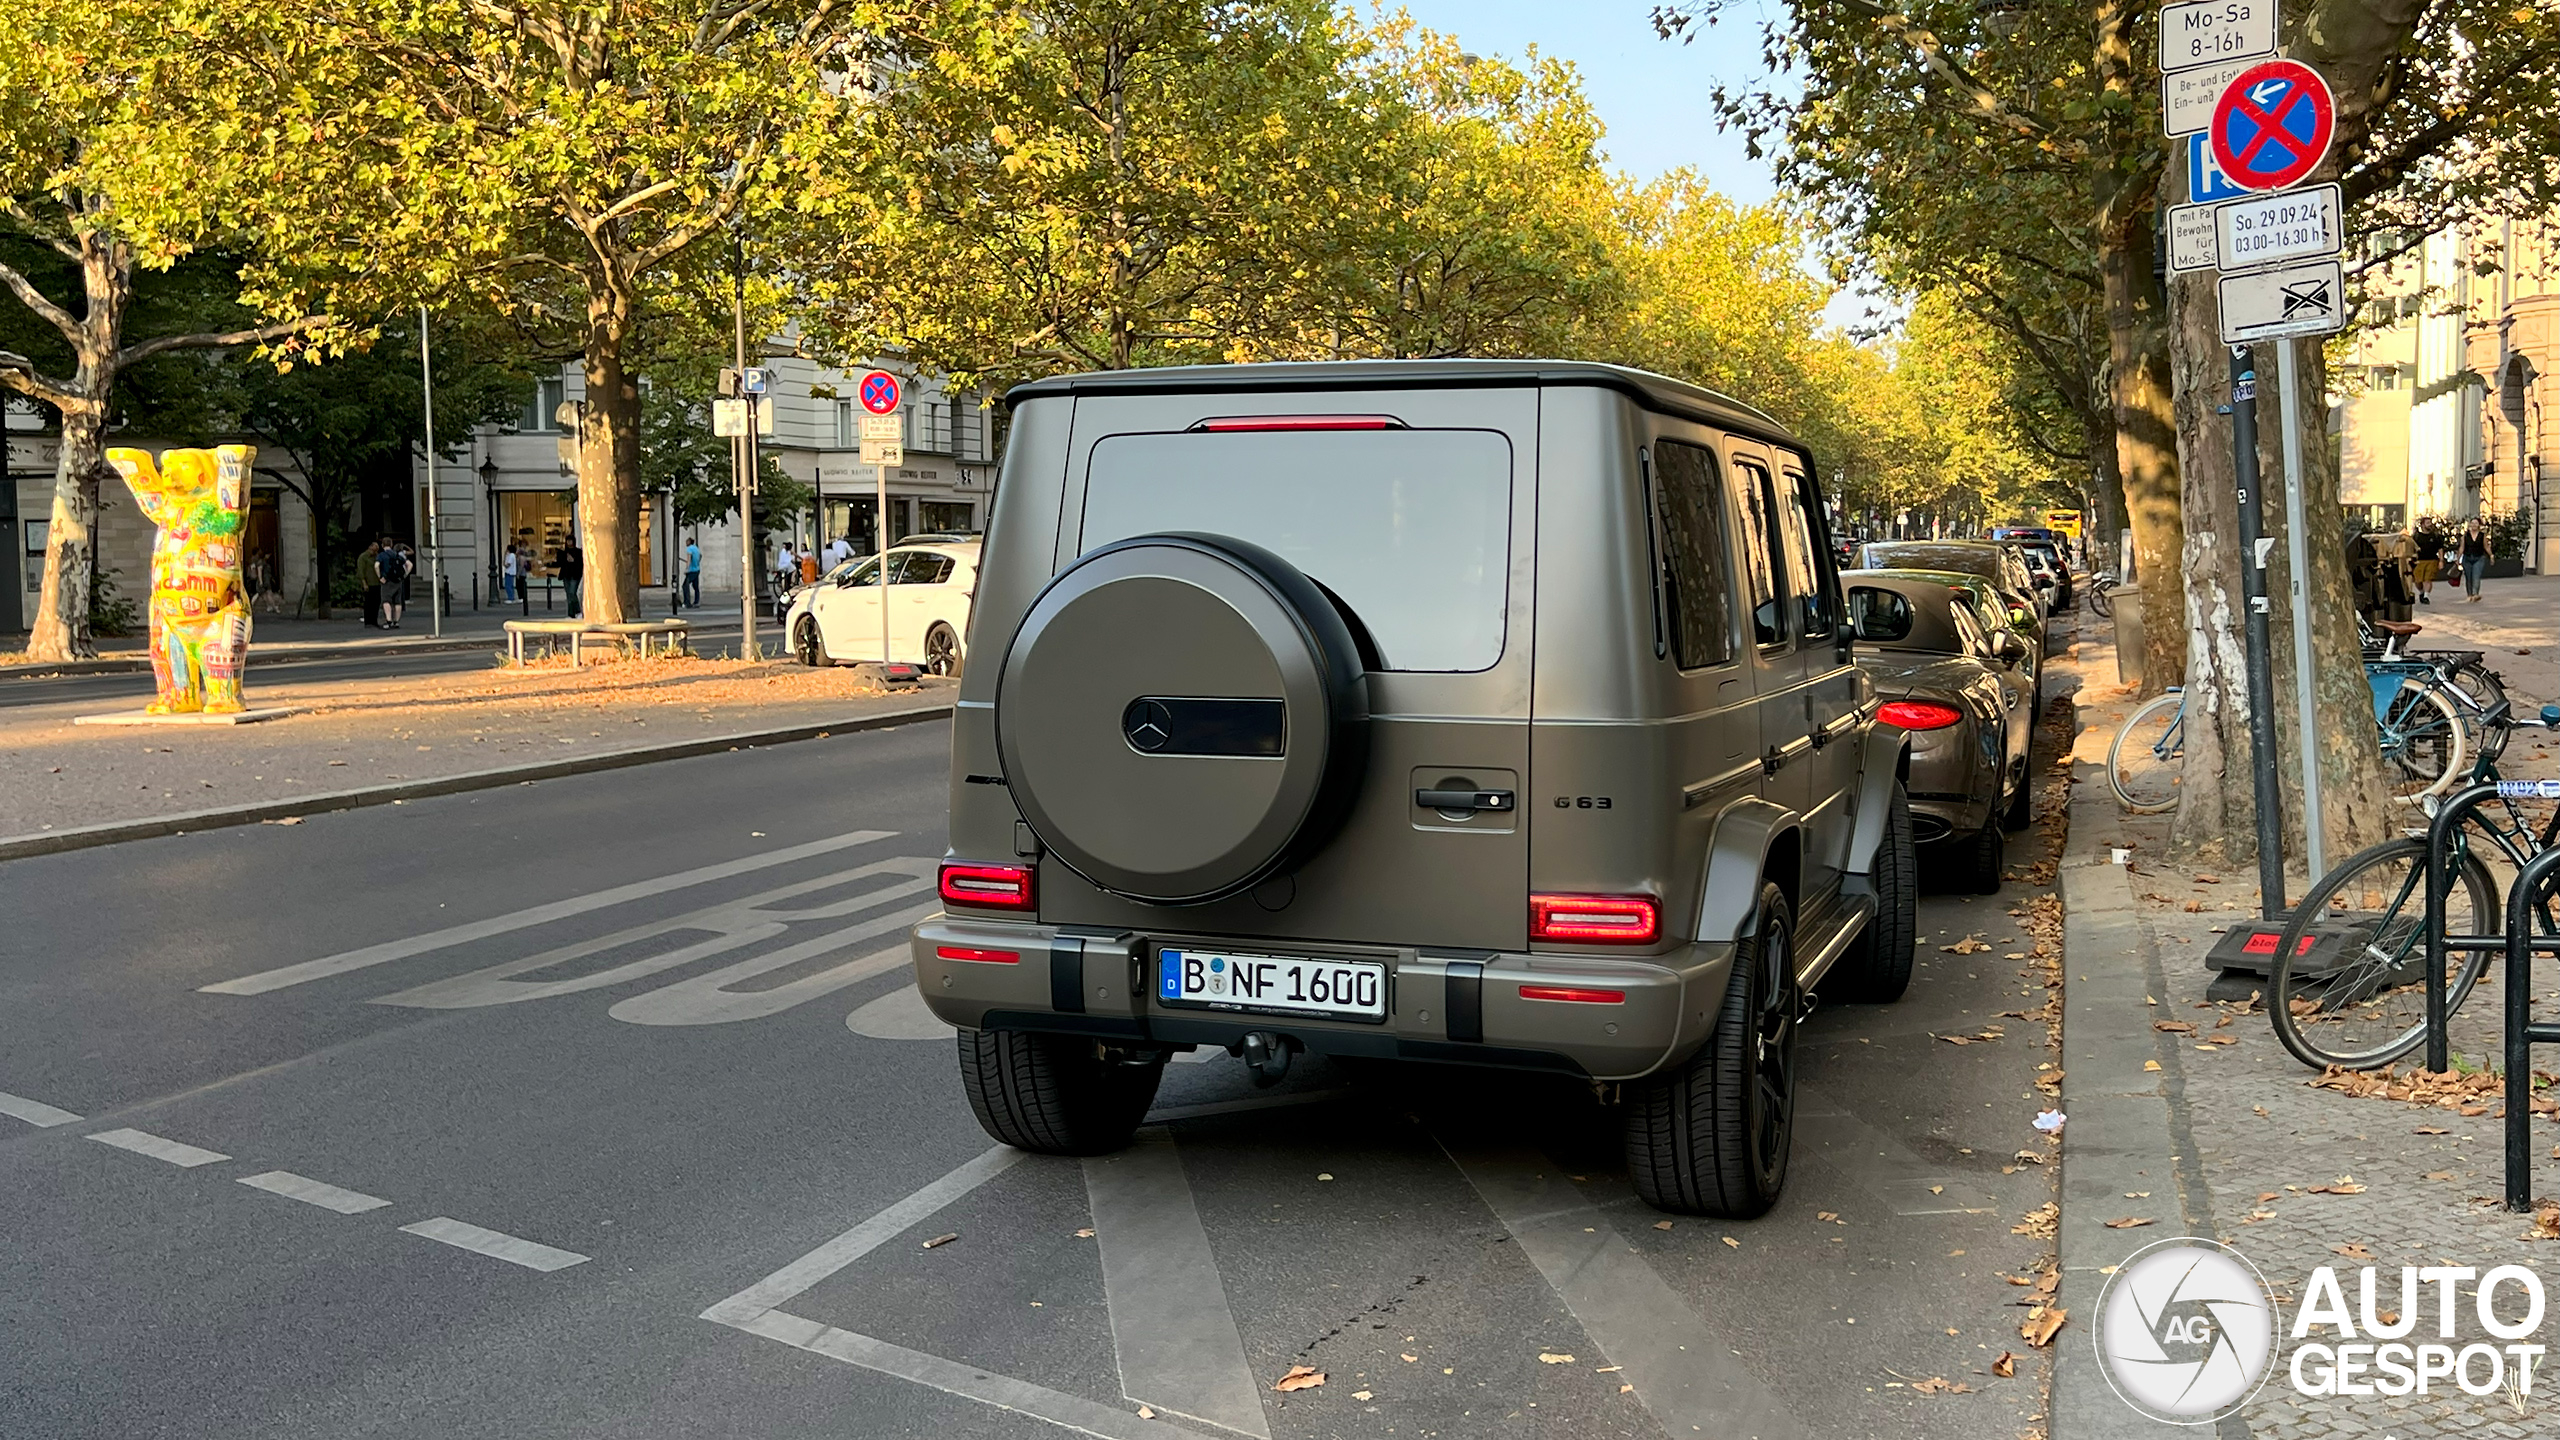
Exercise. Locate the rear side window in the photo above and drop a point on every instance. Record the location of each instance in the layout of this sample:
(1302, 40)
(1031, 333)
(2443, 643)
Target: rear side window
(1760, 543)
(1696, 568)
(1410, 528)
(1808, 567)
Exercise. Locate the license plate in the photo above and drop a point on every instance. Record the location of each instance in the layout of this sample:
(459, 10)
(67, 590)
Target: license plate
(1272, 984)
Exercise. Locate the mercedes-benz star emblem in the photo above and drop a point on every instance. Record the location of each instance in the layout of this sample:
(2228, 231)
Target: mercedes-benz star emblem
(1147, 724)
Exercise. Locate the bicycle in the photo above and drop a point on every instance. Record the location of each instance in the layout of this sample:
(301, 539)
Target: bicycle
(2475, 689)
(2099, 585)
(2346, 985)
(2425, 741)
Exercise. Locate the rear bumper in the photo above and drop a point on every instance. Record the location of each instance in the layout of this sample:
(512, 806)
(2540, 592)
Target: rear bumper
(1458, 1007)
(1953, 785)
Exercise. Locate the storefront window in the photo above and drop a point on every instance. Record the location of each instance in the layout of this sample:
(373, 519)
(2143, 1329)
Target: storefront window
(538, 523)
(944, 515)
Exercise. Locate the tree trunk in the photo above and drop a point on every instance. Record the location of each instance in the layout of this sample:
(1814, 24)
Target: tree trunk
(609, 464)
(71, 541)
(2146, 440)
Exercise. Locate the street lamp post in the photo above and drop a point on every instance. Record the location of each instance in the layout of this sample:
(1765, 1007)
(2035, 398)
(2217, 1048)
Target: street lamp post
(435, 530)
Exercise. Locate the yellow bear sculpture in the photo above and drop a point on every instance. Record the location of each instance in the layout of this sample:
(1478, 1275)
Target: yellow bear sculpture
(199, 608)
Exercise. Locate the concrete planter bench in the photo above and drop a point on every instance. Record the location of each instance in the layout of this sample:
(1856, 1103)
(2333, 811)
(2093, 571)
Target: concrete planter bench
(668, 637)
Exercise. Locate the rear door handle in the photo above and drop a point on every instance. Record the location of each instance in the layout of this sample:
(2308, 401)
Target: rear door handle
(1463, 799)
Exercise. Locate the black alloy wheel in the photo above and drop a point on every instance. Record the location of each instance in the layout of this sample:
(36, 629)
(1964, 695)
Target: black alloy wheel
(804, 642)
(1773, 1031)
(941, 651)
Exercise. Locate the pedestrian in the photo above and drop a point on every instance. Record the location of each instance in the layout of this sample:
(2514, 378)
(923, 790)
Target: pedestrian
(392, 565)
(369, 580)
(2476, 551)
(838, 552)
(786, 567)
(573, 577)
(693, 573)
(2429, 542)
(507, 574)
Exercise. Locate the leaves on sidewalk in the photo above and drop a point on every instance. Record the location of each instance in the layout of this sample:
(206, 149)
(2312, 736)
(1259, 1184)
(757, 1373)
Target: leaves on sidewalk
(2131, 1222)
(2041, 1324)
(1941, 1385)
(1549, 1357)
(1301, 1377)
(2343, 1185)
(2042, 1222)
(2006, 1367)
(1969, 945)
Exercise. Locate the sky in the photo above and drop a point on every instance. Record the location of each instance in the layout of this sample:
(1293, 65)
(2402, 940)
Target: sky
(1651, 93)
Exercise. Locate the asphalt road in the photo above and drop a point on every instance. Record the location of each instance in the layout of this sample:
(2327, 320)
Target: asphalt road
(599, 1107)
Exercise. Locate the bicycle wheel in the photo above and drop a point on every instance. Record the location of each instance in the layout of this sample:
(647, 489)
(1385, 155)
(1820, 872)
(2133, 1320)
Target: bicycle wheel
(2099, 604)
(2425, 746)
(2143, 763)
(2479, 694)
(2357, 999)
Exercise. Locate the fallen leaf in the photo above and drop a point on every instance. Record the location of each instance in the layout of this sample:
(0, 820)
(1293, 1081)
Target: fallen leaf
(941, 1240)
(1409, 1359)
(1081, 1234)
(2343, 1185)
(2437, 1175)
(1359, 1394)
(2147, 1065)
(285, 820)
(1658, 1224)
(2353, 1250)
(2546, 1224)
(1549, 1357)
(2208, 879)
(1969, 945)
(2039, 1222)
(2260, 1111)
(1608, 1369)
(2006, 1367)
(2041, 1324)
(1626, 1389)
(1736, 1244)
(2137, 1194)
(1300, 1377)
(1937, 1189)
(2267, 1195)
(2431, 1130)
(1324, 1175)
(2130, 1222)
(2182, 1027)
(1953, 1330)
(1145, 1413)
(1941, 1385)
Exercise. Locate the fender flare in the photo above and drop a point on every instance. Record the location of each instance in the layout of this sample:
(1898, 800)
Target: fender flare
(1737, 857)
(1885, 759)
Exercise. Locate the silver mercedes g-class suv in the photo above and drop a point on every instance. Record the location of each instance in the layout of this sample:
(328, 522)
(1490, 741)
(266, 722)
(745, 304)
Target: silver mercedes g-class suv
(1481, 712)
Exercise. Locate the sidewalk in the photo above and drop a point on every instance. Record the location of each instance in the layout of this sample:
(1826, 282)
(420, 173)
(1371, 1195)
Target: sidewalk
(2188, 1115)
(2517, 622)
(357, 734)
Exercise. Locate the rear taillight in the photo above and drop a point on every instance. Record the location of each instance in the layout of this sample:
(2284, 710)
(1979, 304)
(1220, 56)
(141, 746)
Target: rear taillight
(1919, 715)
(1573, 993)
(1595, 919)
(1226, 424)
(983, 957)
(992, 887)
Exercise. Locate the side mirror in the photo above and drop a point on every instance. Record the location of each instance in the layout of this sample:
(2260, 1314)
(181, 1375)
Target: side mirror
(1878, 616)
(2009, 647)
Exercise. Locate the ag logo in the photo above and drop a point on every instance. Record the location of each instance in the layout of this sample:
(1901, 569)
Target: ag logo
(2186, 1330)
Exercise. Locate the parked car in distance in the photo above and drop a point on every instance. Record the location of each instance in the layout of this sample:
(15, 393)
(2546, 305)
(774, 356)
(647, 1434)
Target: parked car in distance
(836, 619)
(1251, 761)
(2047, 546)
(2001, 565)
(1955, 677)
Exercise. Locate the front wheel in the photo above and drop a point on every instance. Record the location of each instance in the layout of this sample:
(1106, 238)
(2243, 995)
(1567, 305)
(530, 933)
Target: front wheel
(1712, 1137)
(941, 650)
(2357, 998)
(1054, 1094)
(804, 642)
(2148, 753)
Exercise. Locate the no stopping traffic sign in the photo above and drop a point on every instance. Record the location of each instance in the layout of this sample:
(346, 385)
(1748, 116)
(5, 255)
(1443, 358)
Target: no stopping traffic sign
(2271, 127)
(880, 392)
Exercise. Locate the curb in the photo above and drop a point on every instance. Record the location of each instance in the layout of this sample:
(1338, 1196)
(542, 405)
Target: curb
(54, 842)
(283, 653)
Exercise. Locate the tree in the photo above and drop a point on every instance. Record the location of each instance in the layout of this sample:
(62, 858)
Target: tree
(131, 136)
(577, 168)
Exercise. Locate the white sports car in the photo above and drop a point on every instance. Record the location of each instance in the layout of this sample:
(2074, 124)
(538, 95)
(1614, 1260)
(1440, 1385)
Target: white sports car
(836, 619)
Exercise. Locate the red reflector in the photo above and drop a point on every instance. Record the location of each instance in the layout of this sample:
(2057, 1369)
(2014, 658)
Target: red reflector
(1595, 919)
(1227, 423)
(988, 957)
(999, 887)
(1919, 715)
(1568, 992)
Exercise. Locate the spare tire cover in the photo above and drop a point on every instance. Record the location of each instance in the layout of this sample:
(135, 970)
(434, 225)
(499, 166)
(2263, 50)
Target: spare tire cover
(1181, 717)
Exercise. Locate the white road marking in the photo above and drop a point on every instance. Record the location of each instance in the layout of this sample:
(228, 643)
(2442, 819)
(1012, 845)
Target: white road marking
(314, 1192)
(1072, 1413)
(158, 1149)
(796, 1277)
(730, 924)
(707, 1000)
(1683, 1372)
(899, 1015)
(495, 1244)
(34, 1112)
(1170, 1323)
(321, 969)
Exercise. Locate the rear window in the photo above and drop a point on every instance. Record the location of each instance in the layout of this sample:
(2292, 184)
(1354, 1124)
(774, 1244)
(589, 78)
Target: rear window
(1411, 528)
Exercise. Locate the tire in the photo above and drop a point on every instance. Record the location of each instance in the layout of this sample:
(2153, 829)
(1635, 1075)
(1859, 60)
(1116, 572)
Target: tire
(1984, 858)
(1053, 1094)
(1876, 968)
(941, 651)
(2099, 604)
(2021, 809)
(2482, 692)
(804, 642)
(2146, 781)
(2426, 750)
(2351, 1013)
(1712, 1137)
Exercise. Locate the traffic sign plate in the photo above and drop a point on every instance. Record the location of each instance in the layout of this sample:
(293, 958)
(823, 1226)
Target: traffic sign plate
(883, 427)
(2206, 183)
(2305, 299)
(883, 452)
(2187, 97)
(2191, 237)
(880, 392)
(2271, 128)
(751, 381)
(2207, 32)
(2269, 229)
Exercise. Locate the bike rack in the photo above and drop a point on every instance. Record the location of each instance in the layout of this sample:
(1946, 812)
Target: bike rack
(2522, 1034)
(2440, 831)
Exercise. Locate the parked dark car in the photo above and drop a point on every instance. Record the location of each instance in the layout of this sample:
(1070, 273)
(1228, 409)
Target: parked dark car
(1960, 686)
(2002, 566)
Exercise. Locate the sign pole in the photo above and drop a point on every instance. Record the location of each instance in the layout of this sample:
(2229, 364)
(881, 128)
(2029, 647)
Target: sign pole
(2253, 589)
(883, 517)
(435, 527)
(742, 469)
(2298, 557)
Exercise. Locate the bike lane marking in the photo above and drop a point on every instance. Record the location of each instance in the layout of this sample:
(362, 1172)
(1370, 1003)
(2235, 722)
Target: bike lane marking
(1171, 1327)
(495, 1244)
(382, 954)
(172, 1151)
(35, 1112)
(314, 1192)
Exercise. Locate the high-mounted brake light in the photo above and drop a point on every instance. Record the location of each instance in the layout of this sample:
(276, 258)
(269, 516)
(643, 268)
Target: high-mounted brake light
(983, 957)
(1573, 993)
(1595, 919)
(1226, 423)
(1919, 714)
(994, 887)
